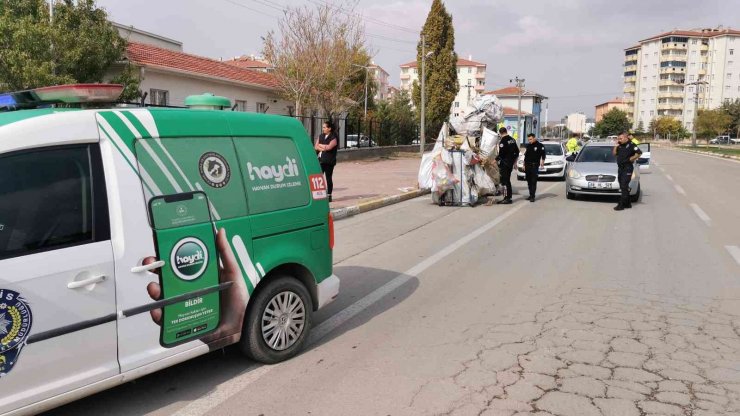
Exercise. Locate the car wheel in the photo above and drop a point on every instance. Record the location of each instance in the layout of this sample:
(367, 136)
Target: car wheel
(278, 321)
(636, 196)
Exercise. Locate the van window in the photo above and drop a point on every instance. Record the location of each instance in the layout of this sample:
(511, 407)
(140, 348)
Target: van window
(274, 174)
(51, 198)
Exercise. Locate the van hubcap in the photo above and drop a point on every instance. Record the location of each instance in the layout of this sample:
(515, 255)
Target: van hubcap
(283, 320)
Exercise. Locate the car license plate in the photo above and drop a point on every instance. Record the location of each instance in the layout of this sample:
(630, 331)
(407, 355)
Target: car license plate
(600, 185)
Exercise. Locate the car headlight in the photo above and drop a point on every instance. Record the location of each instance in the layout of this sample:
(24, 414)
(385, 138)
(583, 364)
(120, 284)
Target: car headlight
(558, 163)
(573, 174)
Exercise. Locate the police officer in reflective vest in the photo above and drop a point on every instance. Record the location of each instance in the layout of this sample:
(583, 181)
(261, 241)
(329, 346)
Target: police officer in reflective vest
(534, 160)
(626, 153)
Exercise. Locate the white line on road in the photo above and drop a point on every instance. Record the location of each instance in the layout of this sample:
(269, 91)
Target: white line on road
(225, 390)
(669, 177)
(701, 214)
(734, 252)
(680, 190)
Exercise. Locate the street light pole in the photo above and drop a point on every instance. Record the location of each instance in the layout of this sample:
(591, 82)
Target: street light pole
(520, 88)
(422, 142)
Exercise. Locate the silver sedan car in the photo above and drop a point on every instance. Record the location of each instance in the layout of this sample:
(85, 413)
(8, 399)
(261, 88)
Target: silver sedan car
(594, 172)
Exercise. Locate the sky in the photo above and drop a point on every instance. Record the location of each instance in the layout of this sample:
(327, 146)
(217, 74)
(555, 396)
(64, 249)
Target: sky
(570, 51)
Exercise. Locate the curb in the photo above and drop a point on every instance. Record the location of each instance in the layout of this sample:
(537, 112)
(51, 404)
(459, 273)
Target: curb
(346, 212)
(713, 154)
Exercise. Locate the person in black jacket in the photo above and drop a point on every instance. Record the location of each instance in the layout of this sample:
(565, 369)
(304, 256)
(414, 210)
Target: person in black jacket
(626, 153)
(534, 160)
(508, 153)
(326, 146)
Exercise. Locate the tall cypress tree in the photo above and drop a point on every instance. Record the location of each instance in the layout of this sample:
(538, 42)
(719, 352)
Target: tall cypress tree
(441, 68)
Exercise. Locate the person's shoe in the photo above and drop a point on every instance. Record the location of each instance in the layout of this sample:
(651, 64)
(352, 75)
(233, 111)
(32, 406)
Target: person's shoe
(531, 199)
(504, 202)
(619, 207)
(628, 206)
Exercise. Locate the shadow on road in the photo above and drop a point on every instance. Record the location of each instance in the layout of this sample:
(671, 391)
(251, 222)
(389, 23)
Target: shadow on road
(164, 392)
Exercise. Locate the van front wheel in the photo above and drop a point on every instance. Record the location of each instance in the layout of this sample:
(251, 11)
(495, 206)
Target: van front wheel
(278, 321)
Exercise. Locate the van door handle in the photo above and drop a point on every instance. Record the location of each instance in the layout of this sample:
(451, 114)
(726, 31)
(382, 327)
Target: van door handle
(82, 283)
(147, 267)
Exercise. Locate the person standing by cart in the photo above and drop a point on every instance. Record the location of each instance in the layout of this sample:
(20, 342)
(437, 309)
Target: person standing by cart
(534, 161)
(508, 153)
(326, 146)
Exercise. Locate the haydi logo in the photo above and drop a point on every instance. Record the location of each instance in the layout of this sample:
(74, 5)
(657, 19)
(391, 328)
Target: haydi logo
(275, 172)
(189, 258)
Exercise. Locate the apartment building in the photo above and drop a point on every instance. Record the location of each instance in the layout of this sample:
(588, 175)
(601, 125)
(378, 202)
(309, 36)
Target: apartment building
(660, 70)
(471, 77)
(604, 108)
(382, 83)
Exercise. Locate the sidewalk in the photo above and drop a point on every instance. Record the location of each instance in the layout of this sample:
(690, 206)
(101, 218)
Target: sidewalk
(361, 186)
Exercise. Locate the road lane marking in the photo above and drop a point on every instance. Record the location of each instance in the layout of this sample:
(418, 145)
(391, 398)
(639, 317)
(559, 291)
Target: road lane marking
(734, 252)
(680, 190)
(701, 214)
(669, 177)
(227, 389)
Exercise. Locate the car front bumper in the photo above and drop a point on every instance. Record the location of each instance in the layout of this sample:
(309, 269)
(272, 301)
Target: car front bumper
(550, 172)
(582, 187)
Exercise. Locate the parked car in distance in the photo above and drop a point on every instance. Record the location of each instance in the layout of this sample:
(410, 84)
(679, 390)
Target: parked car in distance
(364, 141)
(722, 140)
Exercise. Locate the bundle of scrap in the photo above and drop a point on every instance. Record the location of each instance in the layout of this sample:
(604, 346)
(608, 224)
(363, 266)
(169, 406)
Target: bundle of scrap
(472, 173)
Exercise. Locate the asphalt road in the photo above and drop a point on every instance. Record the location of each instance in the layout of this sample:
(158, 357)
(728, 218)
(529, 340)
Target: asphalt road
(553, 308)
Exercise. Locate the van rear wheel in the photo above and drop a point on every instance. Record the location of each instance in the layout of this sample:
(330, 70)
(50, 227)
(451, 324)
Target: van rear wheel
(278, 321)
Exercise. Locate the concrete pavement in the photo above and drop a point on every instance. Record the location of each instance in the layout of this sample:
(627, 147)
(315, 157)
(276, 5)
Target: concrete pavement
(553, 308)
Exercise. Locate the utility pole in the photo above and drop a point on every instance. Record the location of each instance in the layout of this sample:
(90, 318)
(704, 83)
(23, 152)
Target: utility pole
(367, 75)
(520, 88)
(697, 84)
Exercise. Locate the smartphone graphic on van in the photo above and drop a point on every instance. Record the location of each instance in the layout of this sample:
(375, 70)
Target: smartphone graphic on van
(185, 240)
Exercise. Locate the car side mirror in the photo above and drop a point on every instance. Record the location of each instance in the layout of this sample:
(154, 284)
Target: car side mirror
(571, 158)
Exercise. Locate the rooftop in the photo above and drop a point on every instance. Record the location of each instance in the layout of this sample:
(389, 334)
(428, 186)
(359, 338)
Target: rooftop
(513, 91)
(150, 56)
(508, 111)
(703, 33)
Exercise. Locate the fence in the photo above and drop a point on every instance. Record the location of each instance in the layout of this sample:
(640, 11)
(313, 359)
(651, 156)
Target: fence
(358, 132)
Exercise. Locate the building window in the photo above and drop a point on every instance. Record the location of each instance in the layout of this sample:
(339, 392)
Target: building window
(732, 51)
(693, 41)
(241, 105)
(729, 76)
(643, 102)
(481, 83)
(691, 77)
(652, 101)
(470, 70)
(415, 72)
(727, 88)
(261, 107)
(655, 66)
(644, 90)
(652, 113)
(457, 104)
(159, 97)
(470, 81)
(691, 89)
(642, 113)
(644, 79)
(690, 112)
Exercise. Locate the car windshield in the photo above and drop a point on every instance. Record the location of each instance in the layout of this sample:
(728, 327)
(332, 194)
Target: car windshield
(553, 150)
(597, 154)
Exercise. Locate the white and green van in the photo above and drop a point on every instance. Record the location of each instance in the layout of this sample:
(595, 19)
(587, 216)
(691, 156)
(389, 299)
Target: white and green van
(132, 239)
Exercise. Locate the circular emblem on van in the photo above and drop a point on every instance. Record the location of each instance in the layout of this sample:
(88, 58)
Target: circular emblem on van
(189, 258)
(15, 325)
(214, 170)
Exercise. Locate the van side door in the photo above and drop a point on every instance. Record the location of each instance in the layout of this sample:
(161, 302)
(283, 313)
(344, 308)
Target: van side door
(57, 288)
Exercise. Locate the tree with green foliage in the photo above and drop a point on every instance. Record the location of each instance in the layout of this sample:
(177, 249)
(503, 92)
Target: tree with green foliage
(640, 130)
(614, 122)
(441, 84)
(710, 123)
(732, 109)
(397, 120)
(667, 126)
(79, 45)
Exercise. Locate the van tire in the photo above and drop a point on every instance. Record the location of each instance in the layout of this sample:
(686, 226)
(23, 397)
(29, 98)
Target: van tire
(253, 343)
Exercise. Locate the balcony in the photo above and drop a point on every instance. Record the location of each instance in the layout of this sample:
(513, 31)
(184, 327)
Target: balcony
(628, 58)
(669, 82)
(631, 79)
(702, 71)
(670, 106)
(630, 89)
(673, 70)
(405, 76)
(670, 94)
(704, 47)
(674, 57)
(480, 75)
(630, 68)
(674, 46)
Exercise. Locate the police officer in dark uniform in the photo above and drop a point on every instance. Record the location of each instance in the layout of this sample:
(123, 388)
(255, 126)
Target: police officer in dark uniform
(508, 153)
(626, 153)
(534, 160)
